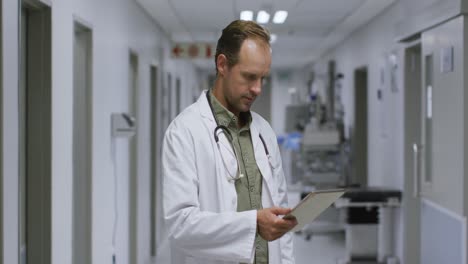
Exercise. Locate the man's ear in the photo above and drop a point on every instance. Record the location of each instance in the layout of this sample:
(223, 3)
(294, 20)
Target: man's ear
(222, 64)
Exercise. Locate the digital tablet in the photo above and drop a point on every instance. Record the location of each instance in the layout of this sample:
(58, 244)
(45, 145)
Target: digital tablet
(313, 205)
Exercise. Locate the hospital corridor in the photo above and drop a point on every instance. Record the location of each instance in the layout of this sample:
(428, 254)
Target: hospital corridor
(233, 131)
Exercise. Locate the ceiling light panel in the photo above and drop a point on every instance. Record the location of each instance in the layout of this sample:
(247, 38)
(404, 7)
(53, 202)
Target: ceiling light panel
(280, 17)
(246, 15)
(263, 17)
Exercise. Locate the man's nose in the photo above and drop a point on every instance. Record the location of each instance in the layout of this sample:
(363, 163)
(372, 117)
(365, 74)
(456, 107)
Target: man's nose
(256, 88)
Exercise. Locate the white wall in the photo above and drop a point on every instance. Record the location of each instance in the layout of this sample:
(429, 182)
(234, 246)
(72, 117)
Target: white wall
(118, 26)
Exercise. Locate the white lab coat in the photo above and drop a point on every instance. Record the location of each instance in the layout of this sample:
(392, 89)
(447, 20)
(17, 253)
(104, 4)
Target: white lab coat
(202, 224)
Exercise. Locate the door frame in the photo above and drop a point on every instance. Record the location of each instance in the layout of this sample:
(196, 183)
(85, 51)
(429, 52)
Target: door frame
(83, 27)
(9, 131)
(133, 176)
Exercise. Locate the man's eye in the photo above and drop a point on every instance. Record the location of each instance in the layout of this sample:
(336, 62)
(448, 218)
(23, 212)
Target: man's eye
(251, 77)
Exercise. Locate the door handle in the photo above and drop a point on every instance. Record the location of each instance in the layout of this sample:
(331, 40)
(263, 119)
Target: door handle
(416, 176)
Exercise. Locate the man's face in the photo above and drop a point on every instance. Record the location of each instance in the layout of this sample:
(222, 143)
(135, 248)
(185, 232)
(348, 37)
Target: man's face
(242, 83)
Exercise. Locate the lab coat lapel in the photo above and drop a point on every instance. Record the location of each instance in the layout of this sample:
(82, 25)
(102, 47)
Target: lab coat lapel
(207, 115)
(261, 158)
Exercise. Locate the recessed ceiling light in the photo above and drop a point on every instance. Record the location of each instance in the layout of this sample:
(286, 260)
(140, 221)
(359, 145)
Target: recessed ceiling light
(280, 17)
(263, 17)
(246, 15)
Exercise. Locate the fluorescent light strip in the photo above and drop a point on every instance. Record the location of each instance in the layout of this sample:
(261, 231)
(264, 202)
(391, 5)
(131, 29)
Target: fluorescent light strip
(246, 15)
(263, 17)
(280, 17)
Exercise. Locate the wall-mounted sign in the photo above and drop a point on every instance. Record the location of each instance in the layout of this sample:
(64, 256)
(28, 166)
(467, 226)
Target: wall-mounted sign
(446, 59)
(193, 51)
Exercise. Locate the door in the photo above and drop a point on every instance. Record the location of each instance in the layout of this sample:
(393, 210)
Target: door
(170, 103)
(35, 134)
(359, 131)
(435, 228)
(154, 156)
(177, 97)
(441, 150)
(412, 146)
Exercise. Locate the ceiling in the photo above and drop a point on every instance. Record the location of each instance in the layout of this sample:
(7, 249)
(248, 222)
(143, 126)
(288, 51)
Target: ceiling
(312, 26)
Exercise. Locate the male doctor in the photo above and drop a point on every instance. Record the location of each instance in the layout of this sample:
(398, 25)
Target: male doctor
(224, 191)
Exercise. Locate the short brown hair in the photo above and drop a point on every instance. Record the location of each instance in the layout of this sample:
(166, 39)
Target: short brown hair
(234, 35)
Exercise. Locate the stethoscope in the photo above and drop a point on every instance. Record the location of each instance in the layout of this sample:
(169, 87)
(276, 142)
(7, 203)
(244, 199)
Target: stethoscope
(225, 130)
